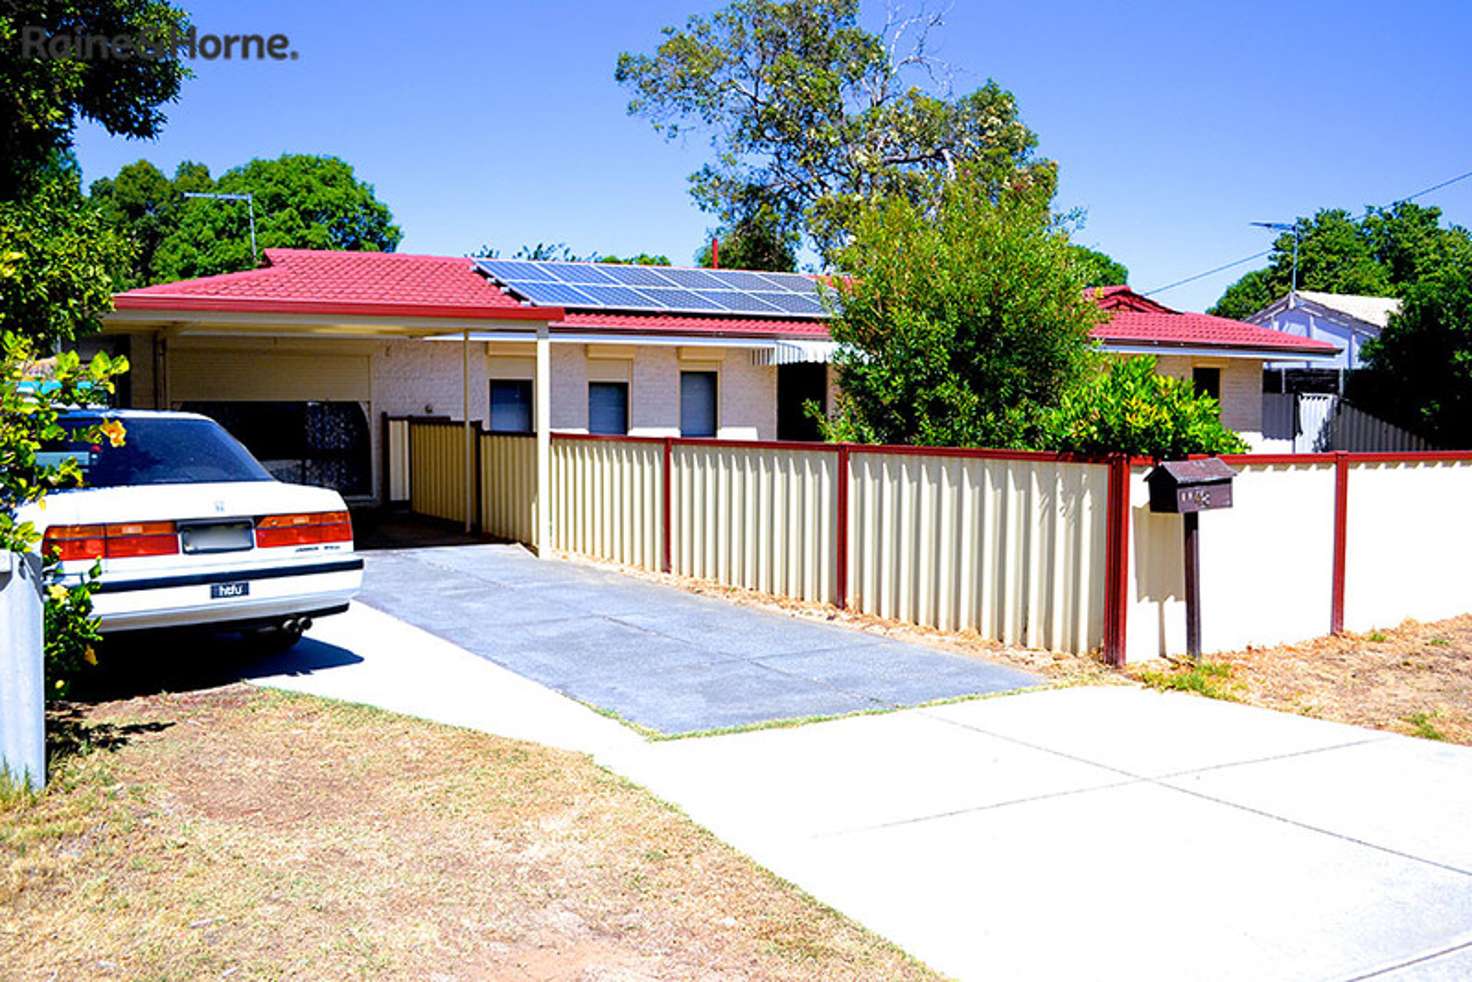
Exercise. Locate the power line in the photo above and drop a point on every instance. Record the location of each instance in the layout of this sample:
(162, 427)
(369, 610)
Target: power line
(1266, 252)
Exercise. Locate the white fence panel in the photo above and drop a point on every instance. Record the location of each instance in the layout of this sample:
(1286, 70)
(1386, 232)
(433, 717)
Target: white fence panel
(1012, 549)
(1267, 563)
(1407, 542)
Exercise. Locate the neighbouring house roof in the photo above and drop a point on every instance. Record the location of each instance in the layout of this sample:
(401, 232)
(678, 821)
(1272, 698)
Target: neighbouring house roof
(363, 284)
(1369, 310)
(387, 285)
(1138, 321)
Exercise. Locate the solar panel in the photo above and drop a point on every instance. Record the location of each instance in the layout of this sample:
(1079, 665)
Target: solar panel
(673, 298)
(637, 276)
(514, 269)
(662, 289)
(577, 273)
(552, 294)
(793, 303)
(622, 297)
(739, 279)
(693, 279)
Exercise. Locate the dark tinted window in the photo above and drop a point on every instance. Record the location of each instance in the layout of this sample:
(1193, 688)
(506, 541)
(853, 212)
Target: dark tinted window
(608, 407)
(162, 451)
(511, 406)
(1208, 382)
(697, 403)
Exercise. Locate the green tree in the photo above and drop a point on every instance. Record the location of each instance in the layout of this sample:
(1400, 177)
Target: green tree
(1099, 269)
(1419, 370)
(42, 98)
(1381, 253)
(144, 206)
(751, 244)
(816, 116)
(301, 201)
(959, 325)
(1128, 407)
(64, 258)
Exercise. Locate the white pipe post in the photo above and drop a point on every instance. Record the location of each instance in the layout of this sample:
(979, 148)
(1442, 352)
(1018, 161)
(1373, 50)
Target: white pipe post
(22, 671)
(542, 403)
(465, 415)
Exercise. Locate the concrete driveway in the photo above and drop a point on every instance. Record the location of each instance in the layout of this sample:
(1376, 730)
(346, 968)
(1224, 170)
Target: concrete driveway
(655, 655)
(1087, 833)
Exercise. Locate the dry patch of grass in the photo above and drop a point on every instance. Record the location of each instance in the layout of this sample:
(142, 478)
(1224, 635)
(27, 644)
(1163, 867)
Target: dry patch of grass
(1414, 679)
(1060, 667)
(259, 834)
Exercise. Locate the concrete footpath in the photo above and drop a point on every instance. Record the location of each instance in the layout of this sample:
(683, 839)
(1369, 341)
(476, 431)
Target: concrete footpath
(1085, 833)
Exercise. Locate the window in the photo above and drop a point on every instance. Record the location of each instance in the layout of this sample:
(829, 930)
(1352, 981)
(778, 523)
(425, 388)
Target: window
(608, 407)
(697, 403)
(511, 406)
(325, 444)
(798, 385)
(160, 451)
(1208, 382)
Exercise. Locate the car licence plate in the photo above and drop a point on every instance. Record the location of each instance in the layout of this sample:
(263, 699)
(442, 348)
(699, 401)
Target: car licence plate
(223, 591)
(216, 537)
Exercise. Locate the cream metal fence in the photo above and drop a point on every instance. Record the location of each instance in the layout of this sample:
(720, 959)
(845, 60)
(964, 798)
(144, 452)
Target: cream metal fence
(1009, 546)
(508, 485)
(437, 468)
(607, 499)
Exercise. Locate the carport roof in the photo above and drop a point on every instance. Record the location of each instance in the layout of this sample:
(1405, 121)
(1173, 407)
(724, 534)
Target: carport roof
(355, 284)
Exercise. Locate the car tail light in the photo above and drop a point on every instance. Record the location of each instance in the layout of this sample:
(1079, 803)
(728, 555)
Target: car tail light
(128, 539)
(304, 529)
(120, 540)
(71, 542)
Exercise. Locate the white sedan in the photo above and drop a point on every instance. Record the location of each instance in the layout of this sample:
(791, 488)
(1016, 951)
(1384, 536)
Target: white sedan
(192, 530)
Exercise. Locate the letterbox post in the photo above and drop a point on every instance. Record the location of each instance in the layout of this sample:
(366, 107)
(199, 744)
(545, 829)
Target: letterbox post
(1187, 488)
(1192, 522)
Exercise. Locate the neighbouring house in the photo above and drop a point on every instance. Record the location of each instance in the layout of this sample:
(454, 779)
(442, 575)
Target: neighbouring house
(1345, 320)
(304, 357)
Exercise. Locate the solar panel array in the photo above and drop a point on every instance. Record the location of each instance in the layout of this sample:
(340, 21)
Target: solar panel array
(662, 289)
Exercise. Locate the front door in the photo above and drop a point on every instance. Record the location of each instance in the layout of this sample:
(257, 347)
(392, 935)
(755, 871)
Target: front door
(797, 385)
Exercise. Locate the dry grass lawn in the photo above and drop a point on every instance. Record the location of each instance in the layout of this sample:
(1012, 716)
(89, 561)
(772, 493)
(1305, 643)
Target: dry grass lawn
(1416, 679)
(247, 834)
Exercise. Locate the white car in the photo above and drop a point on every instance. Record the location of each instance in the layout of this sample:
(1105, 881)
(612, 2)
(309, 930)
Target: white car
(191, 530)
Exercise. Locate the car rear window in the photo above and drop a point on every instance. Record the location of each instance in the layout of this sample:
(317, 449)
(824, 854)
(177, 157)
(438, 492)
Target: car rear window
(161, 451)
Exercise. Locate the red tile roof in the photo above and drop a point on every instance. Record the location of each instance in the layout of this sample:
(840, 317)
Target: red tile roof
(1138, 320)
(373, 284)
(377, 284)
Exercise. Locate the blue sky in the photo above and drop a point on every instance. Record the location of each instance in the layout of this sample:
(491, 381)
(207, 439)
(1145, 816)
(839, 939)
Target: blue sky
(1174, 124)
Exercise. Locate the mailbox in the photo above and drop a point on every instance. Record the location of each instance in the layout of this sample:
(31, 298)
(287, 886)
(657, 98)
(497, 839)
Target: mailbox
(1181, 487)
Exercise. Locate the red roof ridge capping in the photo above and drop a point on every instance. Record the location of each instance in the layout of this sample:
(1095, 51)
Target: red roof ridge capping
(341, 282)
(1137, 319)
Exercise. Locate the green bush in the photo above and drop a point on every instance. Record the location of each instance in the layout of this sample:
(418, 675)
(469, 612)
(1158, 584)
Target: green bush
(1128, 407)
(30, 411)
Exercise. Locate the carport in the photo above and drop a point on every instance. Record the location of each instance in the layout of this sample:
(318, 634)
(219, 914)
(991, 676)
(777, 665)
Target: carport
(298, 331)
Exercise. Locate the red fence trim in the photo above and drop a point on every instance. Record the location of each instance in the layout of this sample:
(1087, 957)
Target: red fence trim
(1117, 560)
(1341, 532)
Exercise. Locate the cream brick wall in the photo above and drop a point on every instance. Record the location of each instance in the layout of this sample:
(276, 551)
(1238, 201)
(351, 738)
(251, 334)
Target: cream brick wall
(1241, 388)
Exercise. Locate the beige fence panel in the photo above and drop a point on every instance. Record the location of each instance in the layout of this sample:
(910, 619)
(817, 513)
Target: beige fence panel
(396, 456)
(508, 481)
(607, 498)
(1011, 549)
(437, 469)
(756, 517)
(1407, 541)
(1267, 563)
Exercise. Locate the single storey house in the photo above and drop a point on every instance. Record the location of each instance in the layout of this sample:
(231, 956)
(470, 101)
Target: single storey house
(1345, 320)
(304, 357)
